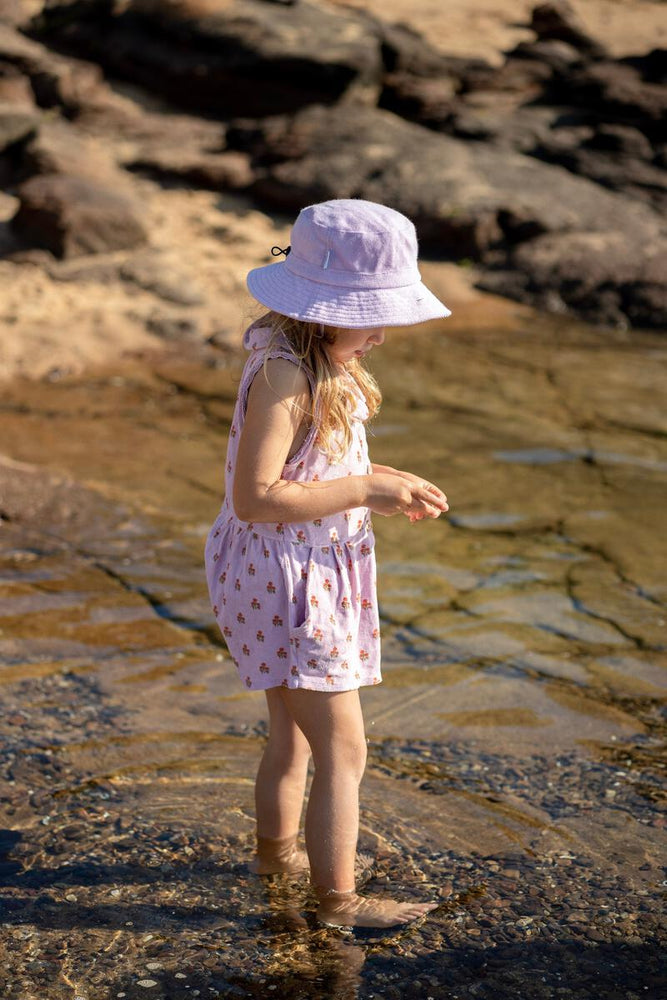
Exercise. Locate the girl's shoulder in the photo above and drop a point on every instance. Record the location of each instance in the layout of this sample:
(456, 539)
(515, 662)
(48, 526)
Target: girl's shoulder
(258, 336)
(271, 353)
(266, 344)
(261, 339)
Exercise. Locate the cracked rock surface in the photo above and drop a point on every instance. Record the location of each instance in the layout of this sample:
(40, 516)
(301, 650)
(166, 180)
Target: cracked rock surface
(516, 764)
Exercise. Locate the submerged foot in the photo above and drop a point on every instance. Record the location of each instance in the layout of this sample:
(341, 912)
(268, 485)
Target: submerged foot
(283, 857)
(289, 863)
(348, 909)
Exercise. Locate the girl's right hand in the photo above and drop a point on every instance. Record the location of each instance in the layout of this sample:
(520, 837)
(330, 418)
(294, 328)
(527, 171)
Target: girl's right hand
(391, 494)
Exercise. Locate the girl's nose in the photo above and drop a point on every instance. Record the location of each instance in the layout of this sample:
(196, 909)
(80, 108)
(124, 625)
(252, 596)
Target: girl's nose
(377, 337)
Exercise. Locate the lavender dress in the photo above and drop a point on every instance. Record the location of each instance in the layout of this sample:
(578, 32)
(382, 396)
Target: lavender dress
(296, 603)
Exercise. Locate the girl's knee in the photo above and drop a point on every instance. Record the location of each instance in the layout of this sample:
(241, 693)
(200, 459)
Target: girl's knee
(290, 752)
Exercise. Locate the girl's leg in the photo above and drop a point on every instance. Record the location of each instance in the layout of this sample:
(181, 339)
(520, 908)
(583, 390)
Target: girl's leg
(333, 725)
(279, 791)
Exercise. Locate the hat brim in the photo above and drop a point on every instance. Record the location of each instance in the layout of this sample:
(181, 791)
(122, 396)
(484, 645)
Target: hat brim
(353, 308)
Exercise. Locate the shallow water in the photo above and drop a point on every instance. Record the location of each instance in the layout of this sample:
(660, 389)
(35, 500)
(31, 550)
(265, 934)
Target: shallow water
(516, 765)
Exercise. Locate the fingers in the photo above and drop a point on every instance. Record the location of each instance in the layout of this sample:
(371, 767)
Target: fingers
(427, 501)
(431, 498)
(432, 489)
(418, 513)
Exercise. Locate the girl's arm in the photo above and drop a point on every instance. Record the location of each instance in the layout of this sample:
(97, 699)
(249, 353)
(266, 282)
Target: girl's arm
(275, 410)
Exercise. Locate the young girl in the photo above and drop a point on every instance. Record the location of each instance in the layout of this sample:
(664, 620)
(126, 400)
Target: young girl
(290, 558)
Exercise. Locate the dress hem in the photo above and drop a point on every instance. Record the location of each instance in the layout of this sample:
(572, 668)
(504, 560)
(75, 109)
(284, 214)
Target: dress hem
(317, 687)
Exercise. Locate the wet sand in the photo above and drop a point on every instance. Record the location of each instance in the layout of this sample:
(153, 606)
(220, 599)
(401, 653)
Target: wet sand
(516, 766)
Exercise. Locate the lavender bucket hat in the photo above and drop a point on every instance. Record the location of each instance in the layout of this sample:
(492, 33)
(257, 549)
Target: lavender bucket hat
(351, 263)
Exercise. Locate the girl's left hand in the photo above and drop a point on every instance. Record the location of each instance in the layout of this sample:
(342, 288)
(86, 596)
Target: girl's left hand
(429, 511)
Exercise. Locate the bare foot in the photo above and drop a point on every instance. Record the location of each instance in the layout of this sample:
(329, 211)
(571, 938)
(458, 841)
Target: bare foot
(347, 909)
(282, 857)
(288, 864)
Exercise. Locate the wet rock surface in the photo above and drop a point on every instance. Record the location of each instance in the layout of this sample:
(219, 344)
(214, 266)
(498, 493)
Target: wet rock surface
(516, 747)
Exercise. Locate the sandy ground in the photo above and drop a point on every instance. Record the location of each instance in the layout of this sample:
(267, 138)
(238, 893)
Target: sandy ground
(58, 321)
(486, 28)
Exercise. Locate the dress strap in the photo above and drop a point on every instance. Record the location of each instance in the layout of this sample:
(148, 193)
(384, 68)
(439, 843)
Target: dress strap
(263, 346)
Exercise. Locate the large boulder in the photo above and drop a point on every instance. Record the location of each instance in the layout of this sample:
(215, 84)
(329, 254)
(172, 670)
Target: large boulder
(70, 216)
(558, 21)
(59, 148)
(602, 276)
(350, 151)
(467, 200)
(55, 80)
(619, 157)
(613, 91)
(244, 57)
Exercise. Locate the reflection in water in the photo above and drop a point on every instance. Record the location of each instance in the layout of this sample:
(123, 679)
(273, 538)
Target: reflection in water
(516, 749)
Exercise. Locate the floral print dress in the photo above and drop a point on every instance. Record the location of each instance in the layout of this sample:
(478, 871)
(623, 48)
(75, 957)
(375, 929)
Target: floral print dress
(296, 603)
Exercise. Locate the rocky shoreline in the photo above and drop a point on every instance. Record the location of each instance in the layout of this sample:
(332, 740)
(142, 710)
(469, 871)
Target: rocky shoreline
(517, 744)
(542, 176)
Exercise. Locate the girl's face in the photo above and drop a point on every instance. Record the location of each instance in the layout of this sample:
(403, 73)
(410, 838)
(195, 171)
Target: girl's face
(350, 344)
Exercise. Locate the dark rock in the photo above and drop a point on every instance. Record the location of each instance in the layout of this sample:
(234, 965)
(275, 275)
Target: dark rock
(615, 92)
(579, 248)
(249, 58)
(525, 76)
(429, 102)
(406, 51)
(645, 303)
(16, 125)
(228, 170)
(55, 80)
(59, 148)
(624, 139)
(173, 328)
(363, 152)
(507, 127)
(557, 20)
(619, 157)
(651, 66)
(607, 277)
(74, 215)
(556, 54)
(67, 83)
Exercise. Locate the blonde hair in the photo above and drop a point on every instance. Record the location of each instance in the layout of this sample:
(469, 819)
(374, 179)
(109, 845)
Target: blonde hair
(333, 401)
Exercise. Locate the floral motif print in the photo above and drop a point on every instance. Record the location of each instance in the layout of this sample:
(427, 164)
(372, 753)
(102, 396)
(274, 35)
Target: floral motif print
(297, 603)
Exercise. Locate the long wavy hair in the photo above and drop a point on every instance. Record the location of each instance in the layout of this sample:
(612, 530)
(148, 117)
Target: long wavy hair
(333, 401)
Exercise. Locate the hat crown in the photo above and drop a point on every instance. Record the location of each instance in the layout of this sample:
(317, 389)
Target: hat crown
(351, 264)
(354, 244)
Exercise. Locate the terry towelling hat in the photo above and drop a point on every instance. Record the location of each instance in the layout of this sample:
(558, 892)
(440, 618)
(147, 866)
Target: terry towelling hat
(351, 263)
